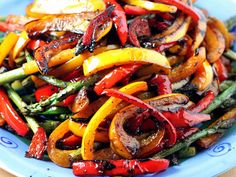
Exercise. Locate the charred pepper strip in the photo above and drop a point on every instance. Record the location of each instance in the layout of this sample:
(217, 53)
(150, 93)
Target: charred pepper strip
(115, 76)
(171, 131)
(204, 102)
(88, 38)
(38, 144)
(119, 19)
(44, 53)
(163, 83)
(11, 116)
(138, 27)
(119, 167)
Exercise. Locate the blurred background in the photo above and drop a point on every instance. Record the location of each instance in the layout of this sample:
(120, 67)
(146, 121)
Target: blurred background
(218, 8)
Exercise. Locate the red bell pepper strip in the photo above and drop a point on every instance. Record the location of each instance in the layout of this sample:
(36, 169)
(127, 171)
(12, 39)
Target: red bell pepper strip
(171, 131)
(183, 7)
(221, 70)
(163, 83)
(183, 118)
(204, 102)
(135, 10)
(119, 19)
(114, 77)
(35, 44)
(44, 92)
(135, 124)
(71, 141)
(11, 116)
(73, 75)
(88, 38)
(139, 27)
(38, 145)
(119, 167)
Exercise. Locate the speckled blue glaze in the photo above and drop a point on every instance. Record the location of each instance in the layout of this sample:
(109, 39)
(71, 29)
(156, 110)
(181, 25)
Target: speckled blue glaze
(212, 162)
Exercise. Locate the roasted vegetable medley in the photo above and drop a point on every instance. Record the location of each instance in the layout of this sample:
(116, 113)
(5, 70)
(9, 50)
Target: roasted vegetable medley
(110, 87)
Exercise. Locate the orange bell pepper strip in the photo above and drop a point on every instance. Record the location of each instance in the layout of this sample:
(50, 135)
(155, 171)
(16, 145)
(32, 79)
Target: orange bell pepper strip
(79, 128)
(215, 43)
(7, 45)
(124, 56)
(58, 156)
(152, 5)
(188, 68)
(222, 28)
(92, 108)
(101, 114)
(203, 77)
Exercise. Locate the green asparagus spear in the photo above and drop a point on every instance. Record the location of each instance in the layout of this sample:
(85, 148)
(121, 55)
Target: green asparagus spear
(55, 110)
(28, 56)
(230, 54)
(187, 152)
(61, 95)
(187, 142)
(53, 81)
(20, 104)
(221, 98)
(225, 85)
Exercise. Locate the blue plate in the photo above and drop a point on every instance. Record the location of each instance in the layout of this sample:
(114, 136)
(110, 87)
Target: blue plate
(211, 162)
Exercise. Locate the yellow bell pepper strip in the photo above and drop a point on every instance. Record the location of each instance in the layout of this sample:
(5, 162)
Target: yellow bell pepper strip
(7, 45)
(77, 61)
(79, 129)
(183, 6)
(100, 115)
(36, 10)
(152, 5)
(188, 68)
(203, 77)
(21, 43)
(124, 56)
(58, 156)
(31, 67)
